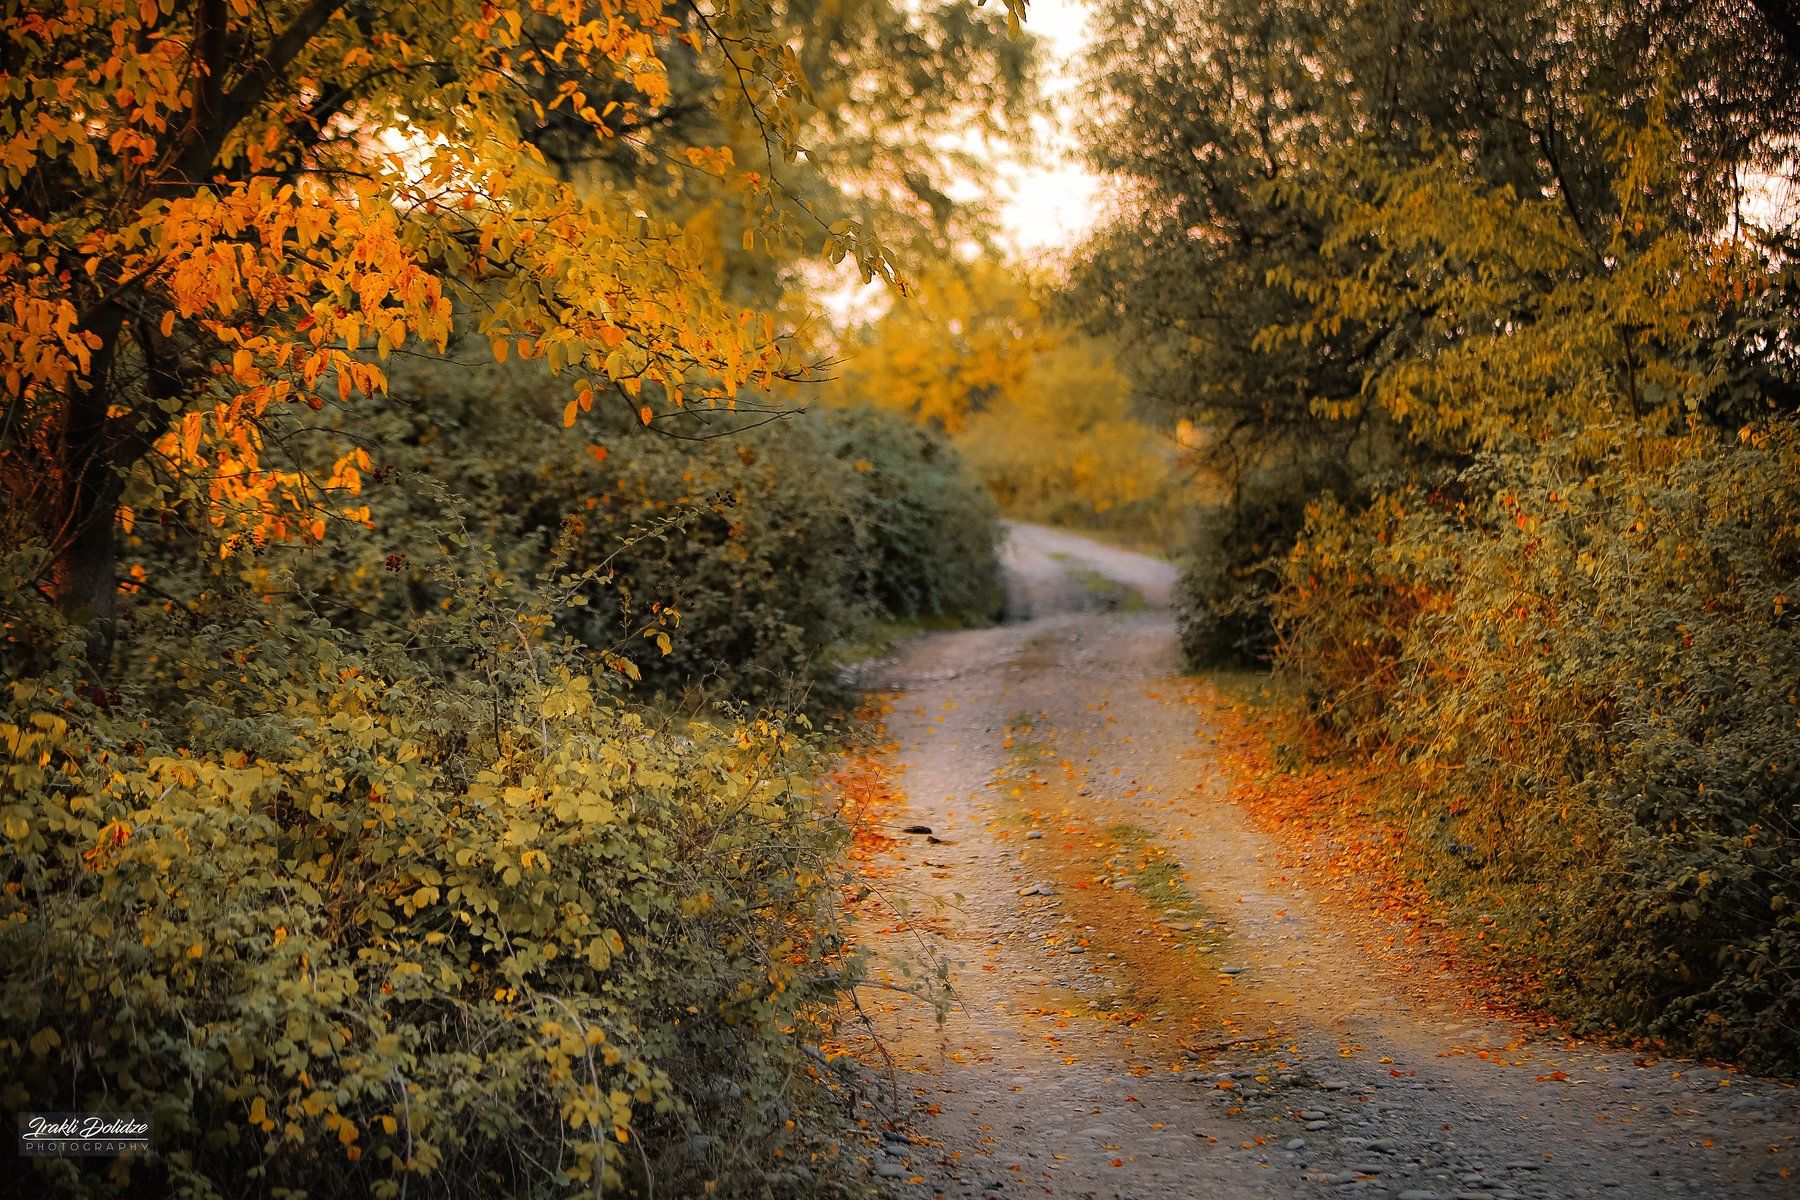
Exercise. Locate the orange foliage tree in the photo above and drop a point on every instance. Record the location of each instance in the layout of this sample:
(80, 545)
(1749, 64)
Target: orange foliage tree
(210, 208)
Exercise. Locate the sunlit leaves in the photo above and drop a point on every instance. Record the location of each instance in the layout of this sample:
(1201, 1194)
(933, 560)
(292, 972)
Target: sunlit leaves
(392, 948)
(218, 219)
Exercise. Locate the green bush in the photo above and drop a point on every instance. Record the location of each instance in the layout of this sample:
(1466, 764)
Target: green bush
(740, 559)
(784, 544)
(341, 921)
(926, 532)
(1228, 566)
(1585, 673)
(1231, 560)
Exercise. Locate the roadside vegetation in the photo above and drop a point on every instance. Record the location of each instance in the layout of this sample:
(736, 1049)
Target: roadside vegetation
(438, 516)
(1484, 316)
(428, 566)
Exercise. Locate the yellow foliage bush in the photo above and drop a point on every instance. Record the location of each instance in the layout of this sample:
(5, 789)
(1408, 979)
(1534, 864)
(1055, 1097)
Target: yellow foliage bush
(1041, 411)
(339, 922)
(1064, 450)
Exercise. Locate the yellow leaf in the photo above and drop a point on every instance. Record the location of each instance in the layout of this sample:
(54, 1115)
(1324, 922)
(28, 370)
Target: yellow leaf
(569, 412)
(645, 415)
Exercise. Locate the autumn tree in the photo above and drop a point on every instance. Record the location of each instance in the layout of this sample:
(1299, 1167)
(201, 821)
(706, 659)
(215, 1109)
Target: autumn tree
(964, 338)
(218, 208)
(1041, 409)
(1360, 240)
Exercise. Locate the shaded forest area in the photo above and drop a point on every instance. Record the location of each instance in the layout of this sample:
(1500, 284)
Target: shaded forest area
(1487, 315)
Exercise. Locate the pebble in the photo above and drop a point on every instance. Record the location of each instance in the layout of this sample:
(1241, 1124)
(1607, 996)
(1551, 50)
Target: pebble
(1315, 1126)
(1297, 1144)
(887, 1168)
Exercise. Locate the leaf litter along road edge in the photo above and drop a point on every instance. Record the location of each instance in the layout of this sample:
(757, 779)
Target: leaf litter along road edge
(1335, 1058)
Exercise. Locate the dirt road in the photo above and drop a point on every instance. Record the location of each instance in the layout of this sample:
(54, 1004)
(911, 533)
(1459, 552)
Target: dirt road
(1151, 1003)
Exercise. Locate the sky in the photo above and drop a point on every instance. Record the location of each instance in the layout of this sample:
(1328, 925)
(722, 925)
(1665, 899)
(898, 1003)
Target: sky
(1050, 205)
(1045, 207)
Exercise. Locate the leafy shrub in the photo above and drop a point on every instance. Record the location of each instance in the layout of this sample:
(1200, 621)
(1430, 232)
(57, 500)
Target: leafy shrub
(1062, 447)
(748, 541)
(1227, 568)
(927, 535)
(1587, 672)
(739, 560)
(341, 921)
(786, 542)
(1231, 561)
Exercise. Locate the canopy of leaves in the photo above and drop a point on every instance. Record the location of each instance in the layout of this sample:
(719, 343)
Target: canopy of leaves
(218, 209)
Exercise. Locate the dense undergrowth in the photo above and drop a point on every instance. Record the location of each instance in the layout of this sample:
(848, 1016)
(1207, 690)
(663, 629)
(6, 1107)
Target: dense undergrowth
(1580, 684)
(724, 556)
(343, 924)
(470, 852)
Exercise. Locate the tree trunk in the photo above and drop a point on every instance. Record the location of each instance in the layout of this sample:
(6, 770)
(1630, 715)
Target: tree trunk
(84, 574)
